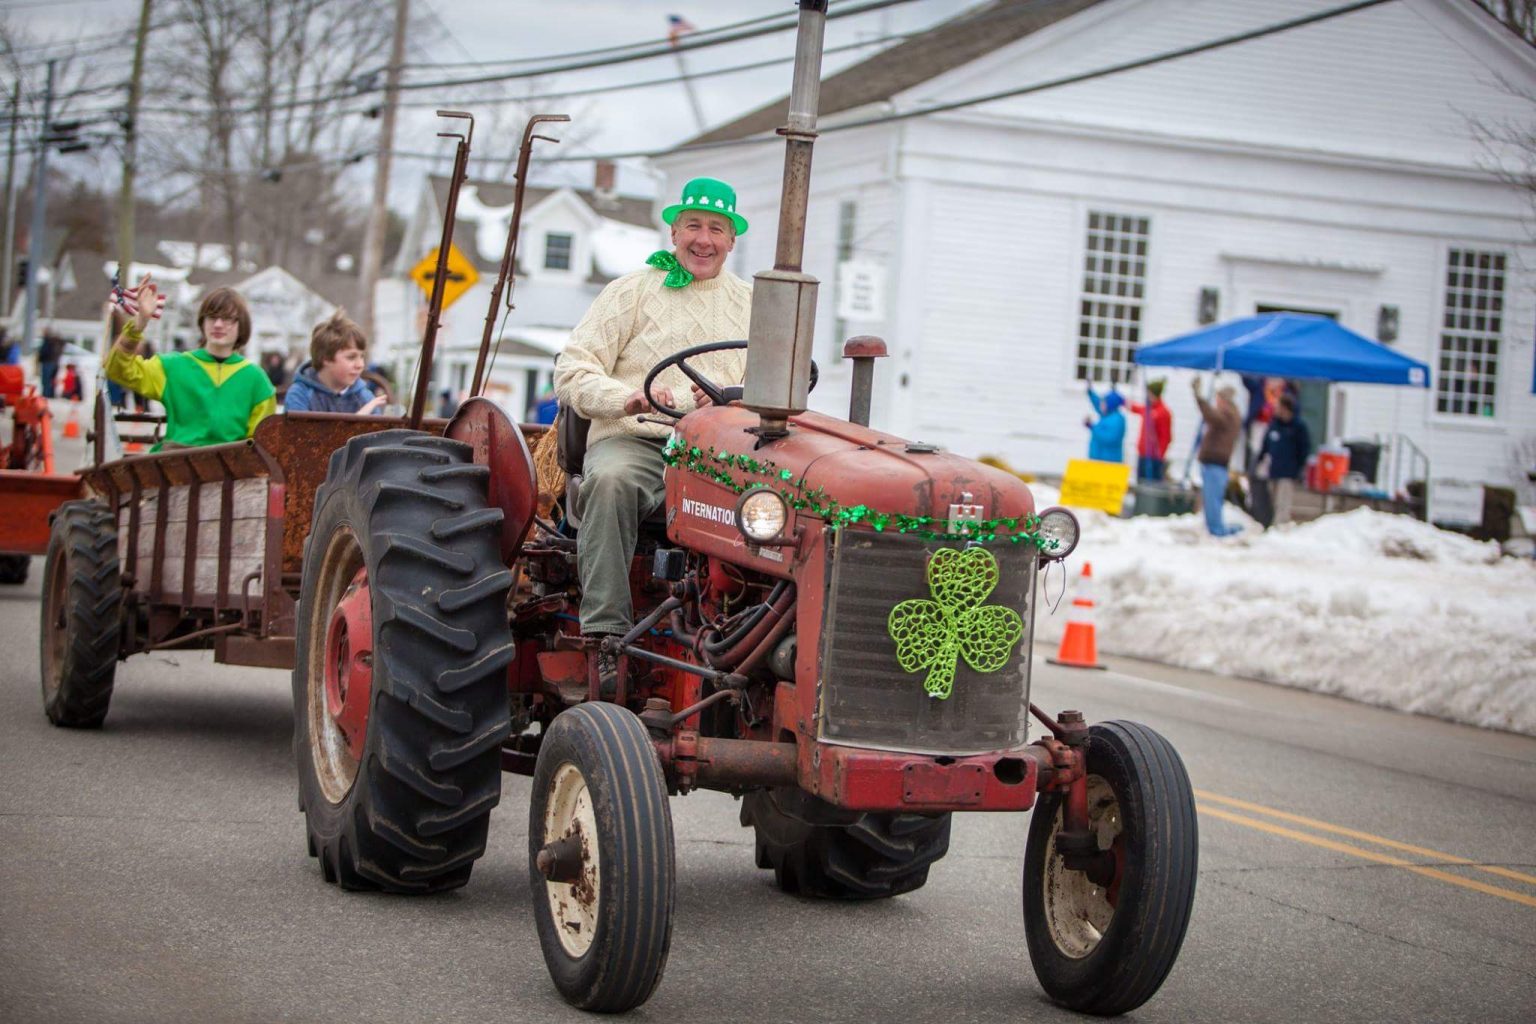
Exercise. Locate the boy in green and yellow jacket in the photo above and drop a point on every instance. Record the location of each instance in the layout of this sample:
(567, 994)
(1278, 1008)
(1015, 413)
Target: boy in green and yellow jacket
(211, 396)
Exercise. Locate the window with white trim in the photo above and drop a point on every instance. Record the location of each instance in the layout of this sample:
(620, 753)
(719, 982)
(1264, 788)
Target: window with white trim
(1114, 291)
(1467, 383)
(557, 250)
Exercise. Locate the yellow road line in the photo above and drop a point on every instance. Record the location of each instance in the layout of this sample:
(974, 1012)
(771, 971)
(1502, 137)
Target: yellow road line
(1379, 858)
(1324, 826)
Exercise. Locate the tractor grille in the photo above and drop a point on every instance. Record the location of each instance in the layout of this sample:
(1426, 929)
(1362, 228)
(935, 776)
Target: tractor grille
(866, 698)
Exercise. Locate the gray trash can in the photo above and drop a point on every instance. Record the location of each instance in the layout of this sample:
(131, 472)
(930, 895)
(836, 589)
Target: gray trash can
(1159, 499)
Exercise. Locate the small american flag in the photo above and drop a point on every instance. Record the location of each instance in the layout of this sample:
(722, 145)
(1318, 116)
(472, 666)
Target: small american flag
(677, 27)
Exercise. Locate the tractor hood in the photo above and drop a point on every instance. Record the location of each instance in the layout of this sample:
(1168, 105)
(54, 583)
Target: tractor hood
(860, 474)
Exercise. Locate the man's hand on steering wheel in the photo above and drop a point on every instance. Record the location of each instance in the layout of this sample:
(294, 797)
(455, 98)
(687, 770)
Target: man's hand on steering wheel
(638, 402)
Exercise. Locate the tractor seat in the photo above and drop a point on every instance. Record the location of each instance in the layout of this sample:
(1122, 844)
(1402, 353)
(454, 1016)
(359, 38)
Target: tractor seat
(570, 452)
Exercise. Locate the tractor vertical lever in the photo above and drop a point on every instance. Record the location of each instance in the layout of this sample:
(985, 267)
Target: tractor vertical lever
(782, 329)
(440, 278)
(504, 278)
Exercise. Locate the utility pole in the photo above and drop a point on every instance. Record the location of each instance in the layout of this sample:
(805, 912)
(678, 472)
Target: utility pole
(131, 152)
(373, 239)
(39, 198)
(8, 289)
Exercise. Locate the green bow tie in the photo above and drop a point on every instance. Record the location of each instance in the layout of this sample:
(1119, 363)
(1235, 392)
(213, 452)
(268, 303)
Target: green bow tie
(678, 276)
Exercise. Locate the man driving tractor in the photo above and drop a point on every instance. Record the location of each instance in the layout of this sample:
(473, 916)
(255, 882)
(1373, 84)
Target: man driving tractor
(680, 298)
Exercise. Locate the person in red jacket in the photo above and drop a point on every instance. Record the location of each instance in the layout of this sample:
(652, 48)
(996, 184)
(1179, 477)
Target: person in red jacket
(1156, 433)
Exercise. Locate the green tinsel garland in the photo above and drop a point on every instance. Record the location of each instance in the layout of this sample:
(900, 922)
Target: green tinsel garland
(715, 466)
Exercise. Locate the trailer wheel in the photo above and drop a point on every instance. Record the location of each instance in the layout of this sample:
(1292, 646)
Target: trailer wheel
(13, 568)
(818, 851)
(1104, 947)
(399, 681)
(82, 615)
(601, 858)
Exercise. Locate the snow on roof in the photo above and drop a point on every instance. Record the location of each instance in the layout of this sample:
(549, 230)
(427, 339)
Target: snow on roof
(1378, 608)
(207, 255)
(618, 248)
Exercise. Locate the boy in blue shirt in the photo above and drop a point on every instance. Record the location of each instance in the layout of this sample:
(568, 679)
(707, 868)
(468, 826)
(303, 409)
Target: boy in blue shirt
(332, 379)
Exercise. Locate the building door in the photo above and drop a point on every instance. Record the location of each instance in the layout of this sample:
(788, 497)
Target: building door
(1314, 393)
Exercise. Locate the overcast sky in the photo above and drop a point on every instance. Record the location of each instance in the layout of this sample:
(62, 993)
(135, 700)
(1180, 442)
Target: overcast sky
(490, 30)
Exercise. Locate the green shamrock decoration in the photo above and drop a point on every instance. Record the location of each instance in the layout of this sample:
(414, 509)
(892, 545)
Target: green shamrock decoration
(936, 634)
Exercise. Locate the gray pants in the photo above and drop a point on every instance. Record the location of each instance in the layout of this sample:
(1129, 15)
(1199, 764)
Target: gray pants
(621, 484)
(1284, 491)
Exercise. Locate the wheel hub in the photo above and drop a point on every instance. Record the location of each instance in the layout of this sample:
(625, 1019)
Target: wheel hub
(569, 860)
(349, 663)
(1079, 904)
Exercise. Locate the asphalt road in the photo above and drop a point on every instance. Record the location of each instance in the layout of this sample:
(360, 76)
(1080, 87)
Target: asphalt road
(155, 871)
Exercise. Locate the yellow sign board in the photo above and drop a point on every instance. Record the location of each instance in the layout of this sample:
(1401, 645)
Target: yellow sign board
(1093, 484)
(461, 275)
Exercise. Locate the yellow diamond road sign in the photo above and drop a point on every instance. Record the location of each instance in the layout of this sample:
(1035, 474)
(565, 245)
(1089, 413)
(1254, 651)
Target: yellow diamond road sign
(461, 275)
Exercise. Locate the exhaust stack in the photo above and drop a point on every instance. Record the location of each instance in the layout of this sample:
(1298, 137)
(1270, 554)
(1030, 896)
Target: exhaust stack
(784, 299)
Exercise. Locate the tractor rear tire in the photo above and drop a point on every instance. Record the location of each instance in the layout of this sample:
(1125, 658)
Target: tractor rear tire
(605, 928)
(408, 810)
(82, 615)
(815, 850)
(1106, 949)
(13, 569)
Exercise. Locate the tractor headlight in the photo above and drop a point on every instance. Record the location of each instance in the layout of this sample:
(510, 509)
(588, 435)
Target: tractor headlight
(1058, 534)
(761, 515)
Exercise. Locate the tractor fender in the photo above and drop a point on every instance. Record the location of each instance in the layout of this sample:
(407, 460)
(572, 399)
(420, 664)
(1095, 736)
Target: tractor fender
(499, 446)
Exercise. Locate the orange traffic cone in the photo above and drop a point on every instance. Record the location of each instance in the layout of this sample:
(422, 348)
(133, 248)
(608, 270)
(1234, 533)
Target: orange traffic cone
(72, 425)
(1079, 648)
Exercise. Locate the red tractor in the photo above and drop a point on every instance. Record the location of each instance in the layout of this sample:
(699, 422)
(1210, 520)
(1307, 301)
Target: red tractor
(29, 488)
(833, 623)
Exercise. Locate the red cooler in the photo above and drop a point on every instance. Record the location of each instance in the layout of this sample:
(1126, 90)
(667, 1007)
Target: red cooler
(1332, 466)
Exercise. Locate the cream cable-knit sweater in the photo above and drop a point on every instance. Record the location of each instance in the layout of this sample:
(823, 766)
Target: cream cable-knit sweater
(633, 325)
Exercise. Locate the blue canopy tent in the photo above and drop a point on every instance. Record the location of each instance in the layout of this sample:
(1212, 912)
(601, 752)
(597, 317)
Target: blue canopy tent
(1297, 346)
(1292, 345)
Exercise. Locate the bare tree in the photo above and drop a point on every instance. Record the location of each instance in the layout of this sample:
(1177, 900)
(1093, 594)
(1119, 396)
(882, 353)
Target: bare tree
(268, 93)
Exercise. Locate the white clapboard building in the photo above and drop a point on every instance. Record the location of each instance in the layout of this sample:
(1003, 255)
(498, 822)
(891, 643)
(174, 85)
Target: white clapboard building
(1008, 251)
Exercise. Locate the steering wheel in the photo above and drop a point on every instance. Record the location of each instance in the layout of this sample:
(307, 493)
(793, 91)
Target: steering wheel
(714, 392)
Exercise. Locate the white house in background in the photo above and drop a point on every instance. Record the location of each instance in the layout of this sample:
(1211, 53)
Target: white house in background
(572, 242)
(1030, 243)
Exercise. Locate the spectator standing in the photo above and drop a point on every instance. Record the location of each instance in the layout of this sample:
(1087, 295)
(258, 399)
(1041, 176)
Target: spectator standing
(48, 355)
(1106, 436)
(273, 365)
(69, 387)
(1156, 433)
(1287, 443)
(1223, 426)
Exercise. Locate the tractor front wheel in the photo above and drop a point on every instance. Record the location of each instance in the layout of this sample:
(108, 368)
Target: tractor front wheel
(399, 681)
(601, 858)
(1104, 944)
(82, 615)
(818, 851)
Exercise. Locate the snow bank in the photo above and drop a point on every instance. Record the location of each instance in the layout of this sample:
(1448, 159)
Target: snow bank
(1374, 607)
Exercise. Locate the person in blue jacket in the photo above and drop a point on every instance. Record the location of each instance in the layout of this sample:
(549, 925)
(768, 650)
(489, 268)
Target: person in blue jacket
(332, 379)
(1106, 437)
(1287, 443)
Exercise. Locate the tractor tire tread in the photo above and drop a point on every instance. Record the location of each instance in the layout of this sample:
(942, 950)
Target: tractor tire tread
(416, 818)
(85, 536)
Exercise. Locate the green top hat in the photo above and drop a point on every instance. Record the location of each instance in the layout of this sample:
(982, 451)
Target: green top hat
(711, 195)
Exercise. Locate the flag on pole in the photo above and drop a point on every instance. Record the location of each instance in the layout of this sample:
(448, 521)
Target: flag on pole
(677, 27)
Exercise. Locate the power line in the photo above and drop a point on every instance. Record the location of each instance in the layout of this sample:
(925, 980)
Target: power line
(647, 83)
(360, 89)
(698, 33)
(1055, 83)
(662, 50)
